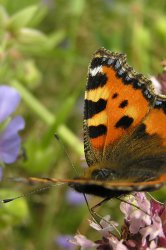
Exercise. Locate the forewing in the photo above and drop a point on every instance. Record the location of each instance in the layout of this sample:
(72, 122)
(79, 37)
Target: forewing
(116, 100)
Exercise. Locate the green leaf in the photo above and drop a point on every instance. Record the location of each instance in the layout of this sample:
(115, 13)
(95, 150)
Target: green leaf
(22, 18)
(56, 38)
(34, 41)
(33, 37)
(38, 17)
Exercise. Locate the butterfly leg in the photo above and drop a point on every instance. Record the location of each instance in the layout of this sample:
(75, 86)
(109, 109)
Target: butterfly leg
(99, 204)
(92, 210)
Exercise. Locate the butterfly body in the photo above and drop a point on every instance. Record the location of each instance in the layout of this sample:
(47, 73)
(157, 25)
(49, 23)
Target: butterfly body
(124, 130)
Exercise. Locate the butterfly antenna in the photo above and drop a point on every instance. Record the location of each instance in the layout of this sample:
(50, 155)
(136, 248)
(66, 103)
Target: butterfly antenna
(30, 193)
(66, 153)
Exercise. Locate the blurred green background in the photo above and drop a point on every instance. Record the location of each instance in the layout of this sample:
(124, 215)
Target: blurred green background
(45, 49)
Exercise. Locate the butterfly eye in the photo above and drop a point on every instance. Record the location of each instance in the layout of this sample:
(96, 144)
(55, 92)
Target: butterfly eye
(101, 174)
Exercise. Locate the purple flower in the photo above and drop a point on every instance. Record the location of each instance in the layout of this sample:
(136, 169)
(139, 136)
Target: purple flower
(74, 198)
(152, 231)
(116, 244)
(156, 84)
(144, 227)
(136, 218)
(106, 225)
(159, 81)
(9, 100)
(9, 127)
(81, 240)
(64, 242)
(162, 77)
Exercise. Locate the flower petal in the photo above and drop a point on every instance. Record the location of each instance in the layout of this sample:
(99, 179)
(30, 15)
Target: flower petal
(81, 240)
(126, 208)
(64, 242)
(142, 202)
(9, 100)
(10, 140)
(138, 219)
(163, 219)
(156, 84)
(106, 227)
(74, 198)
(157, 207)
(94, 225)
(153, 231)
(116, 244)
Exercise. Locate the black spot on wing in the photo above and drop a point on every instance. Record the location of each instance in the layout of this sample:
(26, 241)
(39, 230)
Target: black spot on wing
(95, 131)
(124, 122)
(115, 95)
(96, 81)
(93, 108)
(123, 104)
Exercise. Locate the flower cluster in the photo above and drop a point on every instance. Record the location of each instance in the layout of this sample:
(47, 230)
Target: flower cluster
(144, 227)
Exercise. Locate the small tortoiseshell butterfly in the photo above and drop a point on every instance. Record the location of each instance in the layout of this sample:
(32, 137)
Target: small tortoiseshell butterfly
(124, 130)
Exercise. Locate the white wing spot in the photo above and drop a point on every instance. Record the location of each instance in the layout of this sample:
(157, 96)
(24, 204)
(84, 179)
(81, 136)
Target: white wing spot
(94, 71)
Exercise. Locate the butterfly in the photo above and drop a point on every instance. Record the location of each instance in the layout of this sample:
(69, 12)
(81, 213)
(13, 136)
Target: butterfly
(124, 131)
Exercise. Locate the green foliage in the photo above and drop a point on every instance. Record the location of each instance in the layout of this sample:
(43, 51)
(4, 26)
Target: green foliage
(22, 18)
(45, 48)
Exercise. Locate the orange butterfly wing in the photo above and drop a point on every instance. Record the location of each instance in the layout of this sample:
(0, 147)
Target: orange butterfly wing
(116, 101)
(124, 124)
